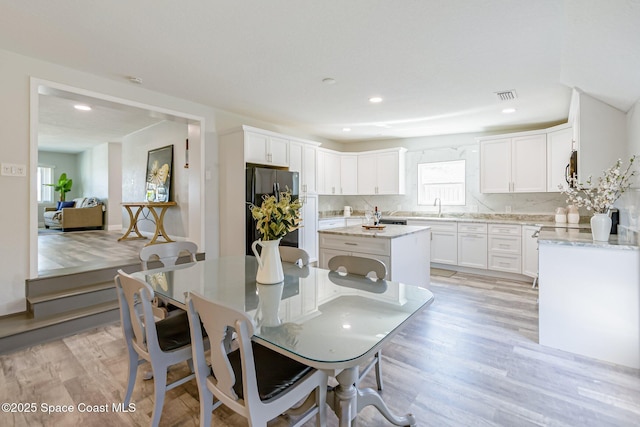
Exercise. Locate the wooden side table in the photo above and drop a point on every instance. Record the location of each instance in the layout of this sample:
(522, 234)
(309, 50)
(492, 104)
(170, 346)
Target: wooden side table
(158, 219)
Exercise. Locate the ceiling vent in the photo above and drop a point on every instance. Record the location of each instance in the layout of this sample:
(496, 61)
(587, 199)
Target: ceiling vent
(506, 95)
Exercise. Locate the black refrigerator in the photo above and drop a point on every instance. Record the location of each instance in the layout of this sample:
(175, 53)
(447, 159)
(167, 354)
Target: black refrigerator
(265, 181)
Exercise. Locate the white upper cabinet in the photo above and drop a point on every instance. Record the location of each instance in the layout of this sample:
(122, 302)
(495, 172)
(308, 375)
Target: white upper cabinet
(328, 172)
(529, 164)
(302, 159)
(367, 171)
(559, 145)
(382, 172)
(266, 149)
(495, 166)
(514, 164)
(337, 173)
(600, 134)
(349, 174)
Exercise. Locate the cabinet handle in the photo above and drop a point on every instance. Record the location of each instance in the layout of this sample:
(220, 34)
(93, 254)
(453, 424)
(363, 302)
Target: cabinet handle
(350, 243)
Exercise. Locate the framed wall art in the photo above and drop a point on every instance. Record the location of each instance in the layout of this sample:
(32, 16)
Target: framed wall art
(159, 165)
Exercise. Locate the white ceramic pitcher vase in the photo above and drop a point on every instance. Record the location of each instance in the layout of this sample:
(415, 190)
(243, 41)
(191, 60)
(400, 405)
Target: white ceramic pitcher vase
(269, 262)
(600, 227)
(269, 304)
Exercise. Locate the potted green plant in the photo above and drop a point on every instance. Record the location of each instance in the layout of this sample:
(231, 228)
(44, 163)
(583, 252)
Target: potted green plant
(63, 186)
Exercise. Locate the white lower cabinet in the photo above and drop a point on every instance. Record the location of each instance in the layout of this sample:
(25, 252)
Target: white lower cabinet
(472, 245)
(444, 240)
(325, 224)
(530, 250)
(403, 255)
(308, 233)
(505, 248)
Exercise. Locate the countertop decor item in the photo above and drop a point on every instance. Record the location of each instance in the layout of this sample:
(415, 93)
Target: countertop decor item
(275, 217)
(600, 196)
(573, 217)
(374, 227)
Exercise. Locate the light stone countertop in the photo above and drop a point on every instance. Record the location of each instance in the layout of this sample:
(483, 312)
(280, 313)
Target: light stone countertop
(516, 219)
(391, 231)
(582, 237)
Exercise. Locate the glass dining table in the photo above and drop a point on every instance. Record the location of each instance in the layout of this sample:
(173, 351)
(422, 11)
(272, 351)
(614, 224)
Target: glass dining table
(325, 319)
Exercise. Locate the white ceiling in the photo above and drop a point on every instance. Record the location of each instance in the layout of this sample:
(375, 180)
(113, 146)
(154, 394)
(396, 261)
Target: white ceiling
(436, 63)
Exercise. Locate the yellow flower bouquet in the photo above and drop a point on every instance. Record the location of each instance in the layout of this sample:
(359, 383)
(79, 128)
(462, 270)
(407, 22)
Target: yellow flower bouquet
(277, 216)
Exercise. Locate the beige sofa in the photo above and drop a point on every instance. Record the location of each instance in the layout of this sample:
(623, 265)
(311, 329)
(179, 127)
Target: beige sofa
(87, 212)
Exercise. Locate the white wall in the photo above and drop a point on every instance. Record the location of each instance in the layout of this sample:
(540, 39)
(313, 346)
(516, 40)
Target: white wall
(16, 144)
(629, 203)
(62, 163)
(16, 147)
(94, 172)
(114, 210)
(135, 148)
(443, 148)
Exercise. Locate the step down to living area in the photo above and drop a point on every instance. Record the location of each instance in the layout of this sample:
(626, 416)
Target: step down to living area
(63, 302)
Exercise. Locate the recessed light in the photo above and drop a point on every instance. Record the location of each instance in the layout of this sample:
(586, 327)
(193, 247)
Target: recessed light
(508, 110)
(375, 100)
(82, 107)
(328, 81)
(346, 129)
(134, 79)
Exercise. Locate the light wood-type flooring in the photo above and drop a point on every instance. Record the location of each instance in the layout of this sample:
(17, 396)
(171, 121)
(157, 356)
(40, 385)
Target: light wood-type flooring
(84, 249)
(471, 359)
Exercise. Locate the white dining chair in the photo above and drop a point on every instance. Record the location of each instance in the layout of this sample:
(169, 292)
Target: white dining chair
(162, 344)
(252, 380)
(361, 266)
(166, 255)
(294, 255)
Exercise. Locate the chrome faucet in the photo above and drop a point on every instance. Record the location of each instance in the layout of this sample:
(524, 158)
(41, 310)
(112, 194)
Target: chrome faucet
(438, 202)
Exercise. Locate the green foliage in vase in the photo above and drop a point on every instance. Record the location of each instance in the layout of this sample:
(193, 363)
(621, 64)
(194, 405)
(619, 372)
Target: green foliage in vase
(277, 217)
(63, 186)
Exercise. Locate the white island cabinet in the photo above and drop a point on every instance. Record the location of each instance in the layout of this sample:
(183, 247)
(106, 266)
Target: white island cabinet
(590, 296)
(402, 248)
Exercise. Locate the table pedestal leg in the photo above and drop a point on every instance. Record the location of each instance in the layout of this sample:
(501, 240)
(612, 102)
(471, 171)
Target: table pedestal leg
(347, 401)
(369, 396)
(345, 395)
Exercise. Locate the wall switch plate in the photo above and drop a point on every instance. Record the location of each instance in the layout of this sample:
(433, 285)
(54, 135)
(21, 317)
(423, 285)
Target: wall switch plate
(507, 209)
(10, 169)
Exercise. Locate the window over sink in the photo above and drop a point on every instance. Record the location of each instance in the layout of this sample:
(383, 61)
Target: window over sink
(441, 180)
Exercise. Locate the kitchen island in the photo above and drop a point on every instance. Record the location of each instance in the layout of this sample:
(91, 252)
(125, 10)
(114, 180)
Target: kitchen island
(590, 295)
(404, 249)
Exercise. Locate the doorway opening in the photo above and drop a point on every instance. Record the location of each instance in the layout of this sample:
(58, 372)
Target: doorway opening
(104, 150)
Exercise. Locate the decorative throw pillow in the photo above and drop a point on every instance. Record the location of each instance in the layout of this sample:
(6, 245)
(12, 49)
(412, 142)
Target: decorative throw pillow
(90, 202)
(69, 204)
